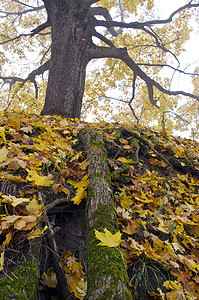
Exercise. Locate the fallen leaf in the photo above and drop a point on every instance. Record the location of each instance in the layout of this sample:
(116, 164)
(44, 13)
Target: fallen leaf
(108, 239)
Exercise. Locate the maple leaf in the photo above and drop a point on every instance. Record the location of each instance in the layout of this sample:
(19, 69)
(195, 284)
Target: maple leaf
(49, 279)
(81, 187)
(108, 239)
(39, 180)
(126, 200)
(33, 207)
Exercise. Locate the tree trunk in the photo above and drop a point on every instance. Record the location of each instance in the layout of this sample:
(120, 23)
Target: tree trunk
(71, 26)
(106, 267)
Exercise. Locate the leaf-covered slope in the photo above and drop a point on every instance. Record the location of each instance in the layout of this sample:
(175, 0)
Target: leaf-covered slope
(154, 179)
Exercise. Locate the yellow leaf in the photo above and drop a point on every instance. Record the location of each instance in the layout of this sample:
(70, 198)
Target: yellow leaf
(136, 246)
(125, 201)
(3, 154)
(2, 260)
(2, 133)
(36, 233)
(81, 193)
(162, 226)
(81, 186)
(125, 160)
(108, 239)
(34, 208)
(49, 279)
(173, 285)
(39, 180)
(19, 222)
(12, 200)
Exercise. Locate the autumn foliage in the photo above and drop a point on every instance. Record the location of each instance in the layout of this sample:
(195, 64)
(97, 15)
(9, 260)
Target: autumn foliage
(155, 183)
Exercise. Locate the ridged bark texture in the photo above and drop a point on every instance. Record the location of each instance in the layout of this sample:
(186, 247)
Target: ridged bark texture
(71, 27)
(106, 267)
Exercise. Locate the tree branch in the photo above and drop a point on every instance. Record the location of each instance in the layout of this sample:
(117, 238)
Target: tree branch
(40, 28)
(31, 77)
(15, 38)
(141, 25)
(122, 54)
(102, 11)
(165, 65)
(19, 2)
(103, 39)
(90, 2)
(40, 70)
(20, 13)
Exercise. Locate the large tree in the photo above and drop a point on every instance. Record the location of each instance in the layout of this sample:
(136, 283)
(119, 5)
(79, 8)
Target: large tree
(73, 26)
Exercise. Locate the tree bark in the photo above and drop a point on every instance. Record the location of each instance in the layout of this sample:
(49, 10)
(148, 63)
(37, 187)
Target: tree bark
(106, 268)
(71, 27)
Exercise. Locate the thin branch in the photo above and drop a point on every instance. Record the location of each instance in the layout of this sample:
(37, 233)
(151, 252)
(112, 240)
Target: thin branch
(141, 25)
(15, 38)
(25, 4)
(122, 54)
(20, 13)
(165, 65)
(159, 43)
(31, 77)
(134, 114)
(103, 39)
(40, 70)
(163, 122)
(112, 98)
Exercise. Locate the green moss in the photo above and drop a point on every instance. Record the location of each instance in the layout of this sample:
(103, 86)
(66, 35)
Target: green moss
(105, 216)
(103, 262)
(22, 283)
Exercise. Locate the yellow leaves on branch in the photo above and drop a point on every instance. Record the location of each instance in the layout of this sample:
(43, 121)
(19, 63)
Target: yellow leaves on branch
(108, 239)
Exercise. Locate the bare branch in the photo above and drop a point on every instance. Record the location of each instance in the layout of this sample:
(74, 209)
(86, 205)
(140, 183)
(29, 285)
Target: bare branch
(15, 38)
(102, 11)
(103, 39)
(165, 65)
(31, 77)
(122, 54)
(40, 70)
(141, 25)
(160, 43)
(40, 28)
(25, 4)
(11, 79)
(133, 88)
(163, 122)
(20, 13)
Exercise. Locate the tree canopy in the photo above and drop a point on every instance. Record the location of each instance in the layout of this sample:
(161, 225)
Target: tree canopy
(135, 41)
